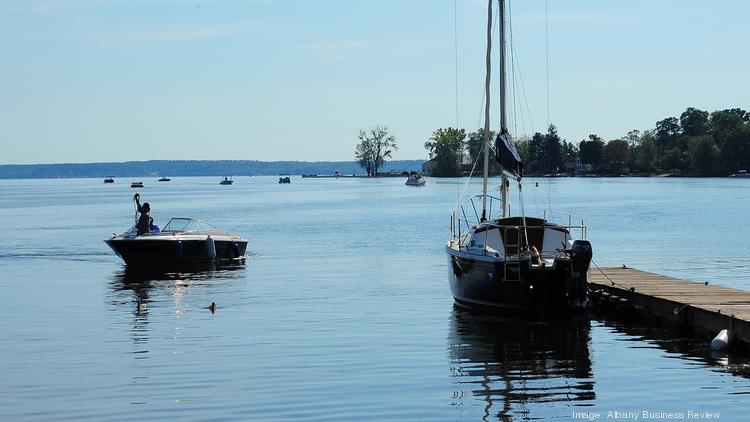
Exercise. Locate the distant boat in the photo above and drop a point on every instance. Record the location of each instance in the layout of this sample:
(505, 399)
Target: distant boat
(741, 174)
(285, 179)
(226, 181)
(136, 185)
(165, 179)
(416, 180)
(109, 179)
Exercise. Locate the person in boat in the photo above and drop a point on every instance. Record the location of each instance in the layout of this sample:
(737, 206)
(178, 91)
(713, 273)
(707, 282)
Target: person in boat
(144, 221)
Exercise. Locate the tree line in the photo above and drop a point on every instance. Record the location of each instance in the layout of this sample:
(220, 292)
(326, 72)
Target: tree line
(698, 143)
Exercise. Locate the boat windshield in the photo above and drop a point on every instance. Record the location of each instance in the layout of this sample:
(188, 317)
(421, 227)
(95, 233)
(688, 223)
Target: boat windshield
(187, 225)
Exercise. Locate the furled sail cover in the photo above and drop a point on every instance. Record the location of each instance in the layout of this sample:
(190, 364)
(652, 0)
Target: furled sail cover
(507, 156)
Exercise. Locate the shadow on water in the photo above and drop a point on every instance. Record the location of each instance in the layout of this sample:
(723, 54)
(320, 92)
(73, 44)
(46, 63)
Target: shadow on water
(680, 344)
(512, 363)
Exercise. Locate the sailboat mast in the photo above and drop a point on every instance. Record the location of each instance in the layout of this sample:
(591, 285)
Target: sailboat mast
(503, 102)
(487, 111)
(503, 107)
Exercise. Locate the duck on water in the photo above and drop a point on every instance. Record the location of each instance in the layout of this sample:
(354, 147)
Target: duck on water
(181, 241)
(512, 263)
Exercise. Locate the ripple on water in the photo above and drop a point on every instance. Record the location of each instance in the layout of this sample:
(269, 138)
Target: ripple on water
(347, 314)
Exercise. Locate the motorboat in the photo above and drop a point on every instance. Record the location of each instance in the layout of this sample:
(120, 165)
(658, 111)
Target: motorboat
(285, 179)
(226, 181)
(181, 241)
(741, 174)
(165, 179)
(136, 185)
(416, 180)
(503, 263)
(109, 179)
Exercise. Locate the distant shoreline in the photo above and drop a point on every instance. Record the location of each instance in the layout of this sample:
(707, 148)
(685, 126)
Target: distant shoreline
(237, 168)
(184, 168)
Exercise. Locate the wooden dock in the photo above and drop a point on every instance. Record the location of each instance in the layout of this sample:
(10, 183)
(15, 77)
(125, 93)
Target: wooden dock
(698, 306)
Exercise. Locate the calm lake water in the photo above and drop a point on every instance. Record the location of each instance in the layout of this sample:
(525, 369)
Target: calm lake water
(345, 312)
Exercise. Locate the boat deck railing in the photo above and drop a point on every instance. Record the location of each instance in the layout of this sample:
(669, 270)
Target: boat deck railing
(462, 223)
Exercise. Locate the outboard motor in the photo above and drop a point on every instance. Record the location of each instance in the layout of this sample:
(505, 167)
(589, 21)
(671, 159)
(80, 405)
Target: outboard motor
(580, 259)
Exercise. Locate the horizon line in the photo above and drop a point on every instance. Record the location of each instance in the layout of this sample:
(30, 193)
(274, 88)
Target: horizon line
(194, 160)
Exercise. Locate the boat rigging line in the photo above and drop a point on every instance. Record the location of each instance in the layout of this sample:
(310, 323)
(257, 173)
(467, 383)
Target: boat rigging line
(520, 98)
(546, 51)
(488, 66)
(455, 51)
(455, 55)
(520, 108)
(632, 289)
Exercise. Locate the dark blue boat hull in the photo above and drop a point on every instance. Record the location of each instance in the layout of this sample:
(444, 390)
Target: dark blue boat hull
(171, 252)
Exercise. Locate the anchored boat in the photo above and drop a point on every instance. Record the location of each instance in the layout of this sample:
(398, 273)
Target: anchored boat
(416, 180)
(182, 240)
(505, 262)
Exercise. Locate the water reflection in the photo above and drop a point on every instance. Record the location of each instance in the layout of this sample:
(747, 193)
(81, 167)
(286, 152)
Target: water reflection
(136, 288)
(679, 345)
(512, 363)
(142, 281)
(162, 291)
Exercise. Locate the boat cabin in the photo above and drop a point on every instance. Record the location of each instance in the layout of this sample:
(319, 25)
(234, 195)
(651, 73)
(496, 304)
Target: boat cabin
(509, 236)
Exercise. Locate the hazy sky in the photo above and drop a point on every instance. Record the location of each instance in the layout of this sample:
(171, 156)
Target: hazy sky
(120, 80)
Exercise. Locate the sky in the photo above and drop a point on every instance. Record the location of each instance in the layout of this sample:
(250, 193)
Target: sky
(131, 80)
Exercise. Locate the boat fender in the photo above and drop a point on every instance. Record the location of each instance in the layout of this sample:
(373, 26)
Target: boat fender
(457, 270)
(178, 249)
(211, 247)
(535, 259)
(235, 250)
(723, 340)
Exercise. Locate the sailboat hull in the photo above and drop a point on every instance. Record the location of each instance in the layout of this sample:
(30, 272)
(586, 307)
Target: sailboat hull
(485, 284)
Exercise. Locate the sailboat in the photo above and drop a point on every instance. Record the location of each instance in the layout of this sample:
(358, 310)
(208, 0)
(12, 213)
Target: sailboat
(512, 263)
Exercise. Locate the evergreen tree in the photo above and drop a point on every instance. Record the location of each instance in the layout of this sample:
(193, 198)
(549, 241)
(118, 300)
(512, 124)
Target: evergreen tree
(553, 152)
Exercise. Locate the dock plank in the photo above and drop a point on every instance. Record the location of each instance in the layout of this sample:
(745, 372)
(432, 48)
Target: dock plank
(702, 305)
